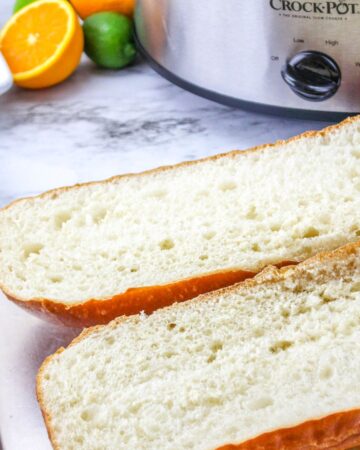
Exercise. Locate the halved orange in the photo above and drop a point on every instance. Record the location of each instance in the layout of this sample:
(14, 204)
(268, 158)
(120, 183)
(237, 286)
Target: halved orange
(86, 8)
(42, 43)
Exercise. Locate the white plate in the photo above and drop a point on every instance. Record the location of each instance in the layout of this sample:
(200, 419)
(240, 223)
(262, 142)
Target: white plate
(6, 79)
(25, 341)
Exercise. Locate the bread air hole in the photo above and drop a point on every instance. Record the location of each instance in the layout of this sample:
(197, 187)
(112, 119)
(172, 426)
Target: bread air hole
(310, 232)
(215, 348)
(253, 214)
(99, 215)
(307, 251)
(32, 249)
(20, 276)
(158, 193)
(326, 372)
(100, 374)
(355, 229)
(79, 440)
(280, 346)
(110, 340)
(167, 244)
(356, 154)
(326, 298)
(353, 173)
(135, 408)
(211, 359)
(56, 279)
(261, 403)
(209, 235)
(303, 203)
(355, 287)
(302, 309)
(227, 186)
(275, 227)
(61, 218)
(258, 332)
(87, 415)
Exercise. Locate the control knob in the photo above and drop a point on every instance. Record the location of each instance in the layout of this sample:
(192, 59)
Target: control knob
(312, 75)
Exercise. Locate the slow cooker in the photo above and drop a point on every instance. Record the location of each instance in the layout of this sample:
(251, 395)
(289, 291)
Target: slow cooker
(294, 57)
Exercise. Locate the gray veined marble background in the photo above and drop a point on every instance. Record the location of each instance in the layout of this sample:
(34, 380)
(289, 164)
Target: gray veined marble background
(96, 124)
(100, 123)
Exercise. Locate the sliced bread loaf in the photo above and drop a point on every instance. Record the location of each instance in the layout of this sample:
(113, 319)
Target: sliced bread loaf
(89, 253)
(271, 363)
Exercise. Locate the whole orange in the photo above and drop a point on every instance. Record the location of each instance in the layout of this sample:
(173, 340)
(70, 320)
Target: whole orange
(86, 8)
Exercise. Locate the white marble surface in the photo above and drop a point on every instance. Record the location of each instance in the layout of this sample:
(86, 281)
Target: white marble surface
(99, 123)
(96, 124)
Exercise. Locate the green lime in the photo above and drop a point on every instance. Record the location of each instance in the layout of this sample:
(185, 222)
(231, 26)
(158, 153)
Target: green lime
(108, 40)
(21, 3)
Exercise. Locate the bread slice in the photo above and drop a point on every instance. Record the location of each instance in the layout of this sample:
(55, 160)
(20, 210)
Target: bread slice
(270, 363)
(89, 253)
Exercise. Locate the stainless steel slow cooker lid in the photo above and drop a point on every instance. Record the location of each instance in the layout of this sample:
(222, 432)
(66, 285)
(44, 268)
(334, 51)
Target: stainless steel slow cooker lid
(300, 58)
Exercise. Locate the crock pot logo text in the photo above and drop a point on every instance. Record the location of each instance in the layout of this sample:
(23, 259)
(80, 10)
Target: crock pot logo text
(315, 7)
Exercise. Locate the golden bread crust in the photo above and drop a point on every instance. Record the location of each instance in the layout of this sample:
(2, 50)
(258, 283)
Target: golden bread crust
(338, 431)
